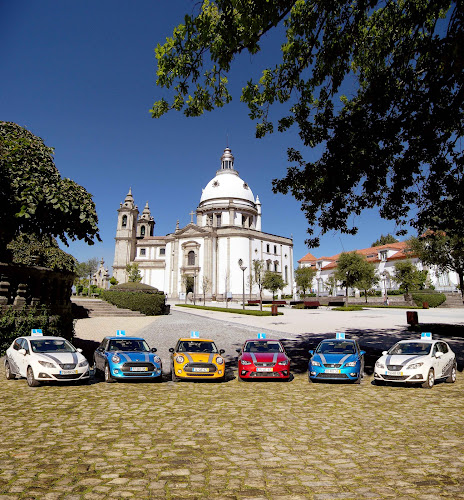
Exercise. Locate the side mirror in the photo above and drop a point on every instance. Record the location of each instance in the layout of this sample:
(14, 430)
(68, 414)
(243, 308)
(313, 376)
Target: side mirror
(100, 349)
(79, 349)
(384, 353)
(311, 352)
(238, 350)
(171, 349)
(221, 351)
(438, 354)
(22, 351)
(154, 349)
(361, 353)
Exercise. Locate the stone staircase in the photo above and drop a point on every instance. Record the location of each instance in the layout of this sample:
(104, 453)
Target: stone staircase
(452, 300)
(97, 307)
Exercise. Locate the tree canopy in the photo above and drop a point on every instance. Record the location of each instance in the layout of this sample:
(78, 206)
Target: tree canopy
(36, 200)
(384, 240)
(273, 281)
(408, 276)
(379, 85)
(353, 270)
(304, 277)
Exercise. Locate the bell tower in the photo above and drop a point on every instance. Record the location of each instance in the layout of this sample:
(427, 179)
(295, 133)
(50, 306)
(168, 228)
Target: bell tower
(124, 252)
(146, 223)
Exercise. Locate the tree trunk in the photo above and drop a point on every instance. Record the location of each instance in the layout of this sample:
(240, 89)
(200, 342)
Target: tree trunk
(260, 299)
(461, 282)
(346, 296)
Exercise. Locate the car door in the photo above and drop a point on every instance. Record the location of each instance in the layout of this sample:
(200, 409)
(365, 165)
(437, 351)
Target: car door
(99, 356)
(447, 358)
(437, 360)
(23, 360)
(14, 357)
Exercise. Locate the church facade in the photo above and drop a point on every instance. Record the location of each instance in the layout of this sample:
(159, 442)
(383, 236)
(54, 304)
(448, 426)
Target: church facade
(215, 253)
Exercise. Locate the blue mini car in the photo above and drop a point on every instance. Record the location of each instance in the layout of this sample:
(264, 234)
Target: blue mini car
(336, 359)
(123, 358)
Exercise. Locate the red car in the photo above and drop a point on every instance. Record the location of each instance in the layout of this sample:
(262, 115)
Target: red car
(263, 358)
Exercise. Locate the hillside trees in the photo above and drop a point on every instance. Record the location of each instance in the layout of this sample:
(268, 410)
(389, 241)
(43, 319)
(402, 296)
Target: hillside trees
(40, 201)
(377, 85)
(304, 277)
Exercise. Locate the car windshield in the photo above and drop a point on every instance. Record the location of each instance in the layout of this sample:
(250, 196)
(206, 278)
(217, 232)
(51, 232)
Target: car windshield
(421, 348)
(334, 347)
(128, 345)
(263, 347)
(192, 346)
(51, 345)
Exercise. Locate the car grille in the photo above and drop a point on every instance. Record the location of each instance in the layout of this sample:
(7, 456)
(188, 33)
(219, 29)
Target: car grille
(265, 374)
(333, 365)
(395, 368)
(68, 366)
(395, 377)
(126, 367)
(71, 376)
(138, 374)
(332, 375)
(190, 366)
(195, 374)
(264, 364)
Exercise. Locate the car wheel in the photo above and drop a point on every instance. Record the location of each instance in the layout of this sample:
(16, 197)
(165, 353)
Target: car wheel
(379, 382)
(174, 378)
(108, 378)
(8, 373)
(158, 380)
(31, 381)
(451, 379)
(358, 380)
(428, 384)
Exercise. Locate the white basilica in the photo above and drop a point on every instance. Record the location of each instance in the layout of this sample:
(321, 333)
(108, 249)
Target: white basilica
(227, 230)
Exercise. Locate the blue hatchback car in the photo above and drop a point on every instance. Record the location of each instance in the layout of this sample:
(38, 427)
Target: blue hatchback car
(336, 359)
(124, 358)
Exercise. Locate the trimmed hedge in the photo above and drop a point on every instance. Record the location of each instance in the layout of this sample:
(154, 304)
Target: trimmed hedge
(149, 302)
(134, 287)
(19, 322)
(229, 310)
(434, 299)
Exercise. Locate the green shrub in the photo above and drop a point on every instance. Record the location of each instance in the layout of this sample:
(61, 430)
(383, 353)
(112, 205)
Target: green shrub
(19, 322)
(230, 310)
(432, 297)
(134, 287)
(348, 308)
(395, 292)
(150, 304)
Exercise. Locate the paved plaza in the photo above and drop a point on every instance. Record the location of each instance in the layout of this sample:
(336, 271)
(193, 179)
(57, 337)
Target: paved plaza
(238, 440)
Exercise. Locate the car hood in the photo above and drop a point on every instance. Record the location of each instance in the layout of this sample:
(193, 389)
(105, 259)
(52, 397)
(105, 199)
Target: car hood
(198, 357)
(264, 357)
(329, 359)
(61, 358)
(132, 356)
(402, 359)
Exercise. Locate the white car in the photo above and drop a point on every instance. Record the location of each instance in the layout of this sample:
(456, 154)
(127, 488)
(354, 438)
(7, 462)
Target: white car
(420, 361)
(45, 359)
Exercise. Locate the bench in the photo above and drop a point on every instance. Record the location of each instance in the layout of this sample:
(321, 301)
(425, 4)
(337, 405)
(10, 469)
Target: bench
(311, 304)
(336, 303)
(253, 302)
(280, 302)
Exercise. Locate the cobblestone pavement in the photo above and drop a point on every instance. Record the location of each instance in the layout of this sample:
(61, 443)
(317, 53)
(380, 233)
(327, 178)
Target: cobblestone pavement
(233, 440)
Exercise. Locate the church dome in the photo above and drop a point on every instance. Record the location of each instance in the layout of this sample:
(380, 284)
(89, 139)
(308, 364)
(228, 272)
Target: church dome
(227, 184)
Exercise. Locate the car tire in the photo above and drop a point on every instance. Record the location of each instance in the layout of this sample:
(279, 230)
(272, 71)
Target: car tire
(9, 375)
(108, 377)
(174, 377)
(31, 381)
(428, 384)
(158, 380)
(451, 379)
(358, 380)
(379, 382)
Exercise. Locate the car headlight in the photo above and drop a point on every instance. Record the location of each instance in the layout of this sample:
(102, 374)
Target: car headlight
(283, 363)
(179, 359)
(47, 364)
(315, 363)
(219, 360)
(414, 366)
(245, 362)
(116, 359)
(379, 365)
(83, 363)
(351, 363)
(157, 359)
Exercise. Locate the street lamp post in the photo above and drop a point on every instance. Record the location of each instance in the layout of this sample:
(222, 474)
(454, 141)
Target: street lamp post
(194, 276)
(243, 268)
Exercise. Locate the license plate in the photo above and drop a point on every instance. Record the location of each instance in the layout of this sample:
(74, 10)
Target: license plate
(264, 369)
(68, 372)
(200, 369)
(139, 369)
(332, 371)
(397, 374)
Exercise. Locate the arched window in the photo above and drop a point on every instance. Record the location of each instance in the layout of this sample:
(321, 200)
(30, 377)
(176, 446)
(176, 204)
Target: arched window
(191, 258)
(142, 231)
(276, 267)
(124, 220)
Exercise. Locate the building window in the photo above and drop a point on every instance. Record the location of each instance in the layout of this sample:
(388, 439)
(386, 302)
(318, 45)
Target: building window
(286, 274)
(268, 265)
(276, 267)
(162, 251)
(191, 258)
(267, 248)
(143, 252)
(275, 249)
(218, 220)
(124, 220)
(383, 256)
(142, 231)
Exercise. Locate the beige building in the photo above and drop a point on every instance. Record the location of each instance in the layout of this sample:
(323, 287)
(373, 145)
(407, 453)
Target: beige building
(227, 230)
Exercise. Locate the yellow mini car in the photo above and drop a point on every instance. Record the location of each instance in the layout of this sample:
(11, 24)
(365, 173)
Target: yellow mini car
(195, 358)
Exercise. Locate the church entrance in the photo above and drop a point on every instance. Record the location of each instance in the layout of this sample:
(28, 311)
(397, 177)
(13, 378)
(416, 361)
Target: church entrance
(189, 284)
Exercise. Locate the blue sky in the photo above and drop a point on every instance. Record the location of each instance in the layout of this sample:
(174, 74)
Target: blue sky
(81, 75)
